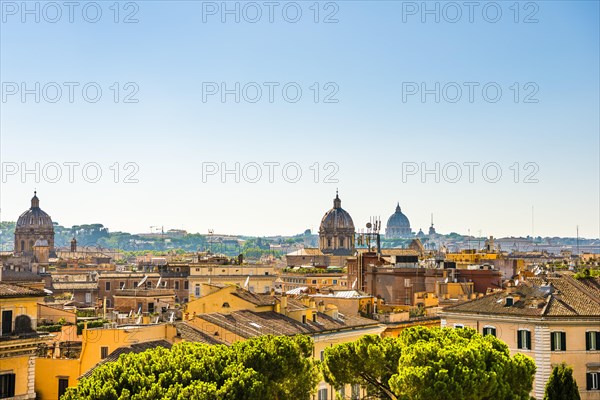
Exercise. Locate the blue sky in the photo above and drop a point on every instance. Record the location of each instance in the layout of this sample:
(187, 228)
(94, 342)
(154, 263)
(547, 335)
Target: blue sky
(370, 57)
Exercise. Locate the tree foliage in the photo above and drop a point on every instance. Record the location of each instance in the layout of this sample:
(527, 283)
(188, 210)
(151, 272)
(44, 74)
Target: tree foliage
(561, 384)
(432, 364)
(267, 367)
(369, 361)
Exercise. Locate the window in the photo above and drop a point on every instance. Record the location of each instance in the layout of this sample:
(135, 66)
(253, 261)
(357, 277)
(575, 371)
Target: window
(458, 326)
(322, 355)
(314, 317)
(122, 285)
(355, 392)
(88, 298)
(592, 381)
(322, 394)
(558, 341)
(304, 319)
(341, 242)
(7, 385)
(107, 286)
(524, 339)
(197, 293)
(328, 242)
(489, 330)
(63, 384)
(103, 352)
(335, 281)
(151, 307)
(186, 285)
(176, 285)
(342, 392)
(509, 301)
(592, 339)
(7, 318)
(314, 281)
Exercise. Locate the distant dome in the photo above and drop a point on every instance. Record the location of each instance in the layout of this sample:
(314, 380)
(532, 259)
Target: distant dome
(33, 226)
(35, 217)
(336, 218)
(336, 233)
(398, 225)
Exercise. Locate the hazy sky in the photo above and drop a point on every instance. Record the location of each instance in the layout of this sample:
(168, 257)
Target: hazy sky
(375, 92)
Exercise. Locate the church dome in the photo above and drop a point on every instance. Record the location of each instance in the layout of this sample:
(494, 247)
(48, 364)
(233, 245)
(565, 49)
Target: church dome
(336, 233)
(34, 226)
(398, 220)
(398, 225)
(34, 217)
(337, 218)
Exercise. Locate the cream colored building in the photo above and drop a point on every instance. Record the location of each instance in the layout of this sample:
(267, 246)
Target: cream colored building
(552, 319)
(257, 278)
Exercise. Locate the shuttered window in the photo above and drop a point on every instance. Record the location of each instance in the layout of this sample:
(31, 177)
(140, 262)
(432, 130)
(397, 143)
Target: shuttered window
(524, 339)
(7, 385)
(558, 341)
(592, 340)
(592, 381)
(489, 330)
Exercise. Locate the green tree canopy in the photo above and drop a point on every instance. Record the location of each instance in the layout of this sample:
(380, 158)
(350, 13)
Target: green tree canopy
(561, 384)
(267, 367)
(432, 364)
(369, 361)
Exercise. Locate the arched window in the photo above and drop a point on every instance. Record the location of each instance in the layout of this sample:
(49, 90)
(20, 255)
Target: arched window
(328, 242)
(341, 242)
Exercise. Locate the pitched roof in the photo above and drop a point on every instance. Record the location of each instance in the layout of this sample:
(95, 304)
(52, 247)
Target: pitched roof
(9, 275)
(306, 251)
(248, 324)
(190, 333)
(11, 290)
(132, 348)
(559, 295)
(392, 251)
(75, 285)
(259, 299)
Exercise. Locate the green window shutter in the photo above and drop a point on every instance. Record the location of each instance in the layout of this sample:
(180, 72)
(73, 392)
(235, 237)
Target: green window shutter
(563, 341)
(528, 339)
(552, 341)
(588, 340)
(519, 339)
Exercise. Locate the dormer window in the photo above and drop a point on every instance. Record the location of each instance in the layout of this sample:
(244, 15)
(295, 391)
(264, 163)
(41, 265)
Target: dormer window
(509, 302)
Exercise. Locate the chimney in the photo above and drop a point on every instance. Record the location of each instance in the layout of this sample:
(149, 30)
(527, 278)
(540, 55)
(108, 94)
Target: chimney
(312, 303)
(283, 301)
(321, 306)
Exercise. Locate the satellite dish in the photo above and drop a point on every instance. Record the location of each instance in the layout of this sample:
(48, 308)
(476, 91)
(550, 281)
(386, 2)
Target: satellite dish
(369, 225)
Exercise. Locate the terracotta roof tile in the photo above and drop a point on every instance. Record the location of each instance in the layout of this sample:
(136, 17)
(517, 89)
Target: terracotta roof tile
(549, 296)
(249, 323)
(11, 290)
